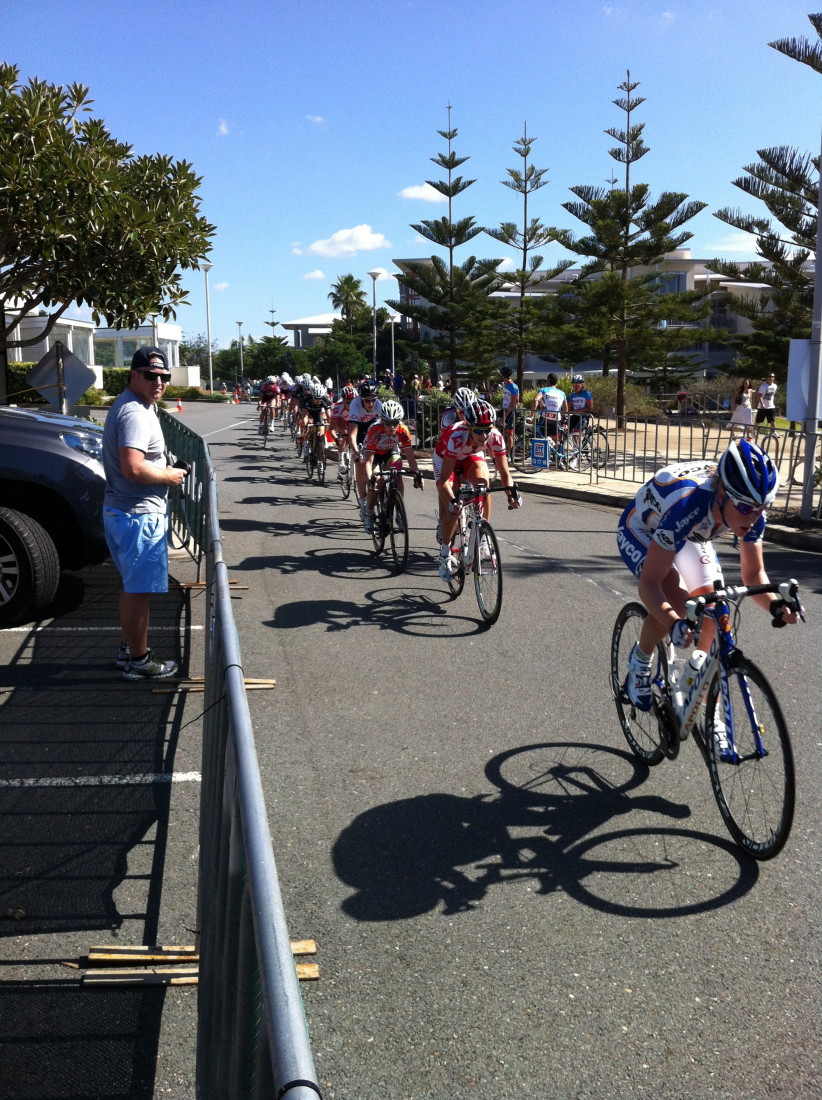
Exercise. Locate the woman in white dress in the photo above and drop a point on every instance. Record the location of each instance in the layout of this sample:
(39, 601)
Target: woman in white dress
(743, 410)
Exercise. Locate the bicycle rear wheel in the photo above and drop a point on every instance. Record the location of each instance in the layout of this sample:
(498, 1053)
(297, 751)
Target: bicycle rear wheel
(756, 791)
(310, 463)
(488, 572)
(398, 533)
(641, 728)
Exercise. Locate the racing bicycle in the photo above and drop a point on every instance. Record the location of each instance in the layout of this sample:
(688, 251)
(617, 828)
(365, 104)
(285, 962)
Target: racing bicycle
(390, 516)
(474, 549)
(265, 424)
(578, 449)
(345, 477)
(315, 459)
(730, 708)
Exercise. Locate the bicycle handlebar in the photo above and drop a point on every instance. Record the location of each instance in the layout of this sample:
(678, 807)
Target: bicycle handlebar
(788, 590)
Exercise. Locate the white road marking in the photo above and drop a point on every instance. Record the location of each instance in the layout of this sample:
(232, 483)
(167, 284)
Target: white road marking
(91, 629)
(103, 780)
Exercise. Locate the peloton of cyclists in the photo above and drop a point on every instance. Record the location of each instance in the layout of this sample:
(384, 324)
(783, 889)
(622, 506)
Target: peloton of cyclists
(460, 456)
(665, 536)
(386, 442)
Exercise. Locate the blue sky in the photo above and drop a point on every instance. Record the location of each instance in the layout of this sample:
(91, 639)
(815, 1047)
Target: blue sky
(312, 123)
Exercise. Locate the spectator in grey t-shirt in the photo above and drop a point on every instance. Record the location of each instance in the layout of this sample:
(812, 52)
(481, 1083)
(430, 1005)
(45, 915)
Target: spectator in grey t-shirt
(138, 477)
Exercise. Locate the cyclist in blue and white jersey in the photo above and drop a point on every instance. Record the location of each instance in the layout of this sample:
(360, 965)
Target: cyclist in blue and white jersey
(580, 404)
(665, 536)
(551, 404)
(510, 400)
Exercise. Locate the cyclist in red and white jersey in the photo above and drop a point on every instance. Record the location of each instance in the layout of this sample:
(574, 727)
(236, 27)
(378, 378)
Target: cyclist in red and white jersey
(460, 456)
(269, 393)
(338, 421)
(387, 441)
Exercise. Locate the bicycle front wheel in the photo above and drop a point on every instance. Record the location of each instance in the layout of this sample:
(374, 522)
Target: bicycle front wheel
(379, 531)
(754, 784)
(266, 428)
(641, 728)
(459, 550)
(398, 533)
(488, 572)
(345, 476)
(319, 455)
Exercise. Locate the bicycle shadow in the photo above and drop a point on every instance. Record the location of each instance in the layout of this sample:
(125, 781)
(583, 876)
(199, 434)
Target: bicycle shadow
(445, 852)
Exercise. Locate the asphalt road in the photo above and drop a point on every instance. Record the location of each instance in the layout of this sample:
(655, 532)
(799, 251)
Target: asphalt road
(506, 903)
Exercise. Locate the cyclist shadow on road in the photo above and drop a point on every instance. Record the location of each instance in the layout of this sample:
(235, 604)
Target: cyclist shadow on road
(551, 824)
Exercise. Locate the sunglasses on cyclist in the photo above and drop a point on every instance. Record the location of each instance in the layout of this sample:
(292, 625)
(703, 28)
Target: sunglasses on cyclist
(389, 423)
(155, 376)
(746, 509)
(368, 400)
(481, 431)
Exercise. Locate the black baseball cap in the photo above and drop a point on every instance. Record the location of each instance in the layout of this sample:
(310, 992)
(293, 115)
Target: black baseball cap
(149, 359)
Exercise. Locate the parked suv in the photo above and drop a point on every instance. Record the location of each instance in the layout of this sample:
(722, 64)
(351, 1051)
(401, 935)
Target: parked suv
(51, 506)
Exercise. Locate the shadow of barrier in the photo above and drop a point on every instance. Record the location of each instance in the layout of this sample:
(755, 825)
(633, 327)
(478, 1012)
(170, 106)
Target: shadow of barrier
(252, 1038)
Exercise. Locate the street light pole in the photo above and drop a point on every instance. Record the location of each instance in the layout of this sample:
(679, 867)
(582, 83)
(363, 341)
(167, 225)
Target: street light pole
(206, 269)
(240, 330)
(374, 275)
(272, 324)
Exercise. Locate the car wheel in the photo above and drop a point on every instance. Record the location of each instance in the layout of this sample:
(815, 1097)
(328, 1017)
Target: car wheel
(29, 567)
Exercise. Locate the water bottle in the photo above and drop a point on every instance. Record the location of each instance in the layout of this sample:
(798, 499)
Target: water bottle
(695, 662)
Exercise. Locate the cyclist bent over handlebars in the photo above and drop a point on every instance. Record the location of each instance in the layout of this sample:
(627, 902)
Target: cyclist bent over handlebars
(665, 536)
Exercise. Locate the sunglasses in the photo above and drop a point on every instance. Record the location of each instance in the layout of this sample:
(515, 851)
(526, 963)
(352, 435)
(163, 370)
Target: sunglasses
(390, 423)
(155, 376)
(481, 431)
(746, 509)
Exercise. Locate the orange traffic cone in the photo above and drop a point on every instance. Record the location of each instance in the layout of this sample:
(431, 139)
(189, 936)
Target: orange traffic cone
(236, 399)
(179, 404)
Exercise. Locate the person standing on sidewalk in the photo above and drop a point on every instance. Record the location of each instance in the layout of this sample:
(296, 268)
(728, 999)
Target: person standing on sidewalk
(510, 400)
(138, 477)
(767, 403)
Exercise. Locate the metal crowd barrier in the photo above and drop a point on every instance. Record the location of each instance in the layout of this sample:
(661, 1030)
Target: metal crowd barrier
(252, 1038)
(646, 445)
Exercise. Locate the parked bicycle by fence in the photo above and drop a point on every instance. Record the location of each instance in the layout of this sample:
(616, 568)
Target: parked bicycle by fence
(579, 449)
(730, 708)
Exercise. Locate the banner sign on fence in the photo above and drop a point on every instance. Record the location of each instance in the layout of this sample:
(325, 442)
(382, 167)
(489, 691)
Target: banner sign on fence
(539, 454)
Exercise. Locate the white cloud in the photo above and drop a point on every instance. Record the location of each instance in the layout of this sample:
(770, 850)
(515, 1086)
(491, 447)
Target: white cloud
(220, 286)
(348, 242)
(423, 191)
(316, 119)
(316, 274)
(297, 250)
(667, 17)
(507, 265)
(222, 128)
(731, 242)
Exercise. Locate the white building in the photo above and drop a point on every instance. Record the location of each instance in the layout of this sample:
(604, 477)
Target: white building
(307, 331)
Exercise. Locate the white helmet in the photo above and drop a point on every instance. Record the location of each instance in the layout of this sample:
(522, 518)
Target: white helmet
(391, 411)
(271, 378)
(316, 389)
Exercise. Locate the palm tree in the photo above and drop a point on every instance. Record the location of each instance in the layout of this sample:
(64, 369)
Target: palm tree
(348, 296)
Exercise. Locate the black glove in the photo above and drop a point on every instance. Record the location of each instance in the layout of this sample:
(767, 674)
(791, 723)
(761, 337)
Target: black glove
(776, 612)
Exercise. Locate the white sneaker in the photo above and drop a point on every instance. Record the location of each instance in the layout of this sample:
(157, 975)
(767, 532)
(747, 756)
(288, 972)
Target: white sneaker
(638, 683)
(486, 550)
(448, 567)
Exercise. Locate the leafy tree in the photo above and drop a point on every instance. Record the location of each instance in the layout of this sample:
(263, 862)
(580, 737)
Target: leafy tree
(194, 352)
(446, 287)
(348, 296)
(82, 219)
(627, 232)
(532, 234)
(787, 182)
(265, 356)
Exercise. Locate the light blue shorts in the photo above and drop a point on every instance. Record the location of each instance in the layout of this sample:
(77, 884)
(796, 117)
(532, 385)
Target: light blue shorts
(139, 547)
